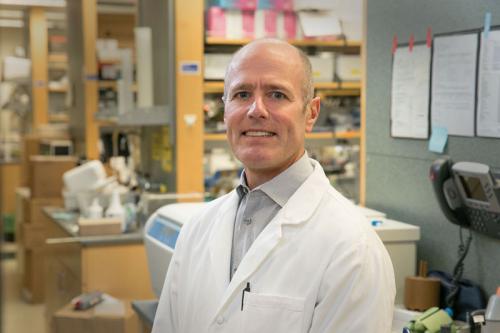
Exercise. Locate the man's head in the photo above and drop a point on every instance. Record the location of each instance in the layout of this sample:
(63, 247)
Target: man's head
(269, 106)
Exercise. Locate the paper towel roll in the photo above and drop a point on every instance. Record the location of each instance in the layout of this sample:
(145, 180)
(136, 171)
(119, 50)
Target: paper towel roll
(421, 293)
(144, 56)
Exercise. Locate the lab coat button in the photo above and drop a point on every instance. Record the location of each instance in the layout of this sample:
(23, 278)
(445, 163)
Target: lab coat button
(220, 320)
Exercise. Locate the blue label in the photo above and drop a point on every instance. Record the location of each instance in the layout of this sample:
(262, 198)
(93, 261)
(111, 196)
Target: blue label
(190, 67)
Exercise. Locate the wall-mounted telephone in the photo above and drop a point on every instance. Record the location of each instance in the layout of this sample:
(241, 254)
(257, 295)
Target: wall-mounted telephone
(468, 194)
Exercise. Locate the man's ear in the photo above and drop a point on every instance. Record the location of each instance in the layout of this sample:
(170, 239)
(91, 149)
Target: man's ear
(312, 113)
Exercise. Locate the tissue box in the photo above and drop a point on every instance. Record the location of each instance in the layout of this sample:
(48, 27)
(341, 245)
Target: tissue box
(67, 320)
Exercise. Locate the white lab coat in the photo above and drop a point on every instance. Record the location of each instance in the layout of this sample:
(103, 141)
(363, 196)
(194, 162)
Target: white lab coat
(317, 267)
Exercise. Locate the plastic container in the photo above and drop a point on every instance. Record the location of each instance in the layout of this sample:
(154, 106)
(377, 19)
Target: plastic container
(115, 209)
(95, 210)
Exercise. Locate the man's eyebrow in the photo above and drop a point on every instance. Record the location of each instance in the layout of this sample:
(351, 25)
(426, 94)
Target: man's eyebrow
(242, 86)
(273, 86)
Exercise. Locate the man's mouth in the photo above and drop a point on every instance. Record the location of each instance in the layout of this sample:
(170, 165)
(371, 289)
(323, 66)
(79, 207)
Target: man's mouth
(258, 133)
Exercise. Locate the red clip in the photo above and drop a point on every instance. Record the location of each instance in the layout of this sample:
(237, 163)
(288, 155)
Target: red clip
(429, 37)
(394, 43)
(412, 41)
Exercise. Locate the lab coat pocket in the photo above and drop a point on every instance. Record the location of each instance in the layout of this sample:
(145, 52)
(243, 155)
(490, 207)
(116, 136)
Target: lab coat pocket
(269, 313)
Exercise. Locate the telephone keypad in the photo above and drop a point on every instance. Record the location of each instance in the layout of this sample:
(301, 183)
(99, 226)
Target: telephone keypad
(483, 221)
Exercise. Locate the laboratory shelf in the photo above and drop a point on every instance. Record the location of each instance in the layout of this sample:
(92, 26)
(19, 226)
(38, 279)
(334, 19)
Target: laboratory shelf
(306, 42)
(348, 88)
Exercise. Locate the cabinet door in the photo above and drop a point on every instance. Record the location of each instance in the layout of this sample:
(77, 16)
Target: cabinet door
(61, 286)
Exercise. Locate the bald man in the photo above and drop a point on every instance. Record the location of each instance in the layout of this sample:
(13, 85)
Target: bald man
(284, 251)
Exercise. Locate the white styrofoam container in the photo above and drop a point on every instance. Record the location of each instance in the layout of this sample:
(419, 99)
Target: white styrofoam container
(215, 65)
(85, 177)
(323, 68)
(348, 67)
(16, 68)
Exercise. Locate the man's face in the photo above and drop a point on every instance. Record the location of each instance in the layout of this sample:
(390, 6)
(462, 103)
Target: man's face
(264, 109)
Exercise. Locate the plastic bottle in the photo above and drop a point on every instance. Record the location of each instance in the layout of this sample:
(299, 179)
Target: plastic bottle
(95, 210)
(492, 315)
(115, 208)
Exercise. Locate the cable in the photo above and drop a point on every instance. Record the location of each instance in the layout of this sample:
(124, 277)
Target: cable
(463, 249)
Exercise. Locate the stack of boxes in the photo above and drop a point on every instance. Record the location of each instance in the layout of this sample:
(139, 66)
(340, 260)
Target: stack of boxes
(236, 19)
(43, 187)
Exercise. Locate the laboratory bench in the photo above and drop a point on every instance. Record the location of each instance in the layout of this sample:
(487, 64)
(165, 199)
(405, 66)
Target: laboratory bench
(113, 264)
(146, 311)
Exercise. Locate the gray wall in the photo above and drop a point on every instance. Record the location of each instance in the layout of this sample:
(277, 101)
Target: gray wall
(397, 169)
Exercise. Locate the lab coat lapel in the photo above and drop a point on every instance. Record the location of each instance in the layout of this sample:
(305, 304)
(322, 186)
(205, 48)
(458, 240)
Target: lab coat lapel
(221, 240)
(257, 253)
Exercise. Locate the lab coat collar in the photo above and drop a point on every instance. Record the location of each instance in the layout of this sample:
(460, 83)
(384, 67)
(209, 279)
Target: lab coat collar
(298, 209)
(305, 200)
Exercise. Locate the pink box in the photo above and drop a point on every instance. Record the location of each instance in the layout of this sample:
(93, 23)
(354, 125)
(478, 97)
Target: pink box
(248, 24)
(270, 19)
(246, 4)
(216, 22)
(290, 22)
(283, 5)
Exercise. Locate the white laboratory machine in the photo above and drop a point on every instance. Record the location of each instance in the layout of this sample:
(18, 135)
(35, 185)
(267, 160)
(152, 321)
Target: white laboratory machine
(160, 235)
(163, 227)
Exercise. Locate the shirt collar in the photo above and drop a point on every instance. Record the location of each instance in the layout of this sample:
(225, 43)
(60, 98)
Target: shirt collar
(281, 187)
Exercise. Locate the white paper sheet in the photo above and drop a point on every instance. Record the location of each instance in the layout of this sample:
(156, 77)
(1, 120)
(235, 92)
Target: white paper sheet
(410, 92)
(144, 66)
(322, 23)
(316, 4)
(454, 83)
(488, 106)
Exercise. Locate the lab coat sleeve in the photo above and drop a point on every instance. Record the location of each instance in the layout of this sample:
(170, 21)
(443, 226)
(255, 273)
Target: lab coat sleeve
(357, 291)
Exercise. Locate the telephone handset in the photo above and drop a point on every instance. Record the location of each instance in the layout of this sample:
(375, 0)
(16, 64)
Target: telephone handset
(468, 194)
(447, 193)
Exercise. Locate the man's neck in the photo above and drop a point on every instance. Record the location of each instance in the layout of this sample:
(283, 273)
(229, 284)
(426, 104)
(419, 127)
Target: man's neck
(257, 177)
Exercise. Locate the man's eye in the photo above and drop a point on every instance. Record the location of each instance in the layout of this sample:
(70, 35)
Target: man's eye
(242, 95)
(278, 95)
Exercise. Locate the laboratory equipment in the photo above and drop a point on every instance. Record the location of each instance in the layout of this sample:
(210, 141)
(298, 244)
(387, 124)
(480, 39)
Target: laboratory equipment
(160, 236)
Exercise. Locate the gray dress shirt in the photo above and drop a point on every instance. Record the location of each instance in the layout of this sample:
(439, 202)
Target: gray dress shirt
(258, 207)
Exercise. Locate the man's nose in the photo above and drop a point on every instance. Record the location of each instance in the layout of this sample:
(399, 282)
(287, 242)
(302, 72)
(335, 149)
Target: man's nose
(257, 109)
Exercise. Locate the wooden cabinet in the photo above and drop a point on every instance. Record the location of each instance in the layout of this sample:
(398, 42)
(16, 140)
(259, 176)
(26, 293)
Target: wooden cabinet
(74, 267)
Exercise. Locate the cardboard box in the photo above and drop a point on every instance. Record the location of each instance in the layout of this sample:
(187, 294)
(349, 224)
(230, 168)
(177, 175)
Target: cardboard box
(101, 226)
(22, 204)
(46, 175)
(33, 277)
(33, 236)
(35, 214)
(68, 320)
(31, 146)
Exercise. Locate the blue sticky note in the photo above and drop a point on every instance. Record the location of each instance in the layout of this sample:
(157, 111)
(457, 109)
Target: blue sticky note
(438, 140)
(487, 24)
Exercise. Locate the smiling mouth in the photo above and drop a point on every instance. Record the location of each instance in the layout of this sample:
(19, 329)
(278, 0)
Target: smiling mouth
(258, 133)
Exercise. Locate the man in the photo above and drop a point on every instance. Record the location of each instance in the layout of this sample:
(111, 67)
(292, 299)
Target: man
(284, 252)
